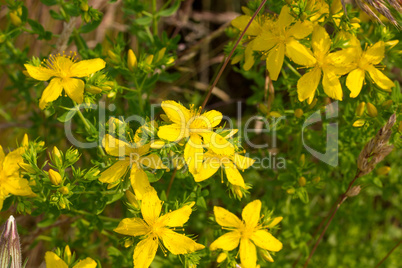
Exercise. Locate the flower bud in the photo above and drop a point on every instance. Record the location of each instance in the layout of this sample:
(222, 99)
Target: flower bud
(298, 113)
(87, 17)
(55, 177)
(149, 59)
(3, 38)
(371, 110)
(93, 89)
(355, 190)
(132, 199)
(84, 6)
(359, 123)
(302, 159)
(360, 108)
(10, 251)
(112, 55)
(275, 114)
(128, 242)
(221, 257)
(263, 108)
(237, 191)
(313, 103)
(15, 20)
(386, 104)
(291, 191)
(67, 254)
(27, 167)
(57, 157)
(64, 190)
(302, 181)
(383, 170)
(266, 256)
(131, 60)
(160, 54)
(317, 179)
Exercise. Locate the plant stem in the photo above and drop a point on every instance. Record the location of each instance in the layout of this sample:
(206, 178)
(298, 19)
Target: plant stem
(211, 87)
(84, 120)
(389, 253)
(339, 202)
(154, 18)
(171, 182)
(292, 68)
(82, 212)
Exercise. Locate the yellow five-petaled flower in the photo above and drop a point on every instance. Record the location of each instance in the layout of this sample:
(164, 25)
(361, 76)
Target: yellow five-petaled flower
(155, 228)
(54, 261)
(63, 72)
(249, 233)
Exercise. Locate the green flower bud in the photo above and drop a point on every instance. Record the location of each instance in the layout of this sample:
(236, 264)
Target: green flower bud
(387, 104)
(298, 113)
(64, 190)
(291, 191)
(84, 6)
(371, 110)
(131, 60)
(360, 108)
(93, 89)
(10, 251)
(221, 257)
(55, 177)
(302, 181)
(383, 170)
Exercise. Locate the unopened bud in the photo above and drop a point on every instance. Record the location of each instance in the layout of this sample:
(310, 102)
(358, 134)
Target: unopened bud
(149, 59)
(302, 181)
(302, 159)
(237, 191)
(383, 170)
(312, 104)
(67, 254)
(317, 179)
(58, 158)
(55, 177)
(112, 55)
(15, 20)
(10, 251)
(3, 38)
(266, 256)
(160, 54)
(371, 110)
(355, 190)
(93, 89)
(27, 167)
(298, 113)
(387, 104)
(275, 114)
(87, 17)
(263, 108)
(84, 6)
(291, 191)
(132, 199)
(359, 123)
(64, 190)
(128, 242)
(131, 60)
(360, 108)
(221, 257)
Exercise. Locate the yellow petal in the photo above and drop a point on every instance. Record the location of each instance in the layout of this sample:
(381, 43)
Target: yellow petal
(380, 79)
(275, 61)
(354, 82)
(217, 143)
(132, 226)
(212, 118)
(86, 67)
(152, 161)
(179, 243)
(275, 222)
(140, 149)
(248, 56)
(248, 253)
(2, 157)
(241, 23)
(139, 182)
(243, 162)
(18, 186)
(40, 73)
(226, 218)
(115, 172)
(151, 207)
(172, 132)
(144, 252)
(74, 89)
(208, 168)
(332, 86)
(233, 175)
(375, 53)
(12, 161)
(320, 40)
(54, 261)
(251, 213)
(193, 153)
(265, 41)
(86, 263)
(51, 92)
(267, 241)
(299, 53)
(115, 146)
(285, 18)
(228, 241)
(176, 112)
(177, 217)
(308, 83)
(300, 29)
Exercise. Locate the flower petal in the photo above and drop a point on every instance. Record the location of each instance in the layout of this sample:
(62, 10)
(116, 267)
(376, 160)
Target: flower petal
(332, 86)
(300, 29)
(12, 161)
(115, 172)
(54, 261)
(380, 79)
(320, 40)
(248, 56)
(354, 82)
(251, 213)
(152, 161)
(179, 243)
(173, 132)
(285, 18)
(299, 53)
(308, 83)
(213, 118)
(217, 144)
(233, 175)
(144, 252)
(51, 92)
(18, 186)
(226, 218)
(86, 263)
(275, 61)
(151, 207)
(74, 89)
(139, 182)
(241, 23)
(176, 218)
(248, 254)
(115, 146)
(375, 53)
(40, 73)
(132, 226)
(265, 41)
(243, 162)
(208, 168)
(267, 241)
(86, 67)
(228, 241)
(193, 154)
(176, 112)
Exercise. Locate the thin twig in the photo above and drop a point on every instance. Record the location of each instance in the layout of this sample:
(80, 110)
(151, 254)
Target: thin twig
(389, 253)
(230, 55)
(171, 182)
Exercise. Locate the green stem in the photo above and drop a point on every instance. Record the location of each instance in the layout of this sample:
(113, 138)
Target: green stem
(292, 68)
(84, 120)
(154, 18)
(82, 212)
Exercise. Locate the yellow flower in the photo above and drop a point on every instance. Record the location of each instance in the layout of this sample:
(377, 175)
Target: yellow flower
(62, 70)
(155, 229)
(281, 40)
(248, 232)
(326, 65)
(54, 261)
(11, 182)
(231, 164)
(134, 157)
(198, 128)
(364, 61)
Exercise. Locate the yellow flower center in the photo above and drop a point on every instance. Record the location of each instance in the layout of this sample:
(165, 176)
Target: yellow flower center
(245, 231)
(60, 64)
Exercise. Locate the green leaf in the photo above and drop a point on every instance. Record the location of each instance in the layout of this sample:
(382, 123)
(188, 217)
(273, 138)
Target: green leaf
(49, 2)
(36, 27)
(303, 195)
(171, 10)
(89, 27)
(396, 92)
(72, 10)
(56, 15)
(143, 21)
(67, 116)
